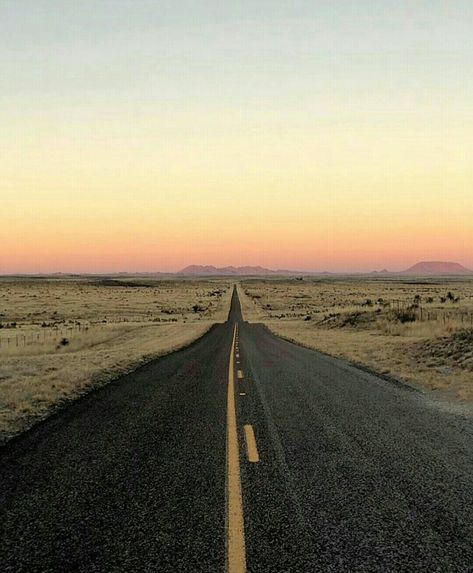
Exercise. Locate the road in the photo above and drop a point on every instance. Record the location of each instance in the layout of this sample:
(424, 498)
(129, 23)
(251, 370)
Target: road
(242, 452)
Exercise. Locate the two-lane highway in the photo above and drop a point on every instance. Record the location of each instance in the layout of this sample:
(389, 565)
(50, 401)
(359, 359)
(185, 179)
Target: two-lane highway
(242, 452)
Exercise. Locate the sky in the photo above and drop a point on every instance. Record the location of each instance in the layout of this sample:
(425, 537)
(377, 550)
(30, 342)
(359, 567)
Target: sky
(146, 135)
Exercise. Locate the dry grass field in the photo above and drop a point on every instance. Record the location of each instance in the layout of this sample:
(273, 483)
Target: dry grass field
(416, 330)
(60, 338)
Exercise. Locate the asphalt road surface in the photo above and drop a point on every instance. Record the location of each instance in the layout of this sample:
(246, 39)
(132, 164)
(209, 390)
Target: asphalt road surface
(242, 452)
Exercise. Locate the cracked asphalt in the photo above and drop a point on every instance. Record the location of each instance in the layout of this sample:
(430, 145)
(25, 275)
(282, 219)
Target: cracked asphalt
(354, 473)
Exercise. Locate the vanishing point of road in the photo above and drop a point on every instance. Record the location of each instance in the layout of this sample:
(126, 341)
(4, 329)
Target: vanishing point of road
(242, 452)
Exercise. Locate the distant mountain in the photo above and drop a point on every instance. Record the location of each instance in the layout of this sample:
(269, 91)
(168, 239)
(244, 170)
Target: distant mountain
(421, 268)
(208, 270)
(437, 268)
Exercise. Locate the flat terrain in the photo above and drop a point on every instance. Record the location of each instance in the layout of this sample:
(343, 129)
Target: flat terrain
(416, 330)
(241, 452)
(60, 338)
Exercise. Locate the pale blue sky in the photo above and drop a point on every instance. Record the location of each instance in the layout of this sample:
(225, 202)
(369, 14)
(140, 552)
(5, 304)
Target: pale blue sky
(235, 51)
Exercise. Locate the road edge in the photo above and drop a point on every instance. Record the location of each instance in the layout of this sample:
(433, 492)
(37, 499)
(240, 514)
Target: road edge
(395, 380)
(96, 385)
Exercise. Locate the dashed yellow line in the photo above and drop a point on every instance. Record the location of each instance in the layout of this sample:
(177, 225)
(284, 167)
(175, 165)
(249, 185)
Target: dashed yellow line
(251, 449)
(236, 554)
(240, 374)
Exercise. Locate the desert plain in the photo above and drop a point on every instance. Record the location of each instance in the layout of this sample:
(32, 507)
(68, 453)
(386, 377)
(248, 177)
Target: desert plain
(417, 331)
(62, 337)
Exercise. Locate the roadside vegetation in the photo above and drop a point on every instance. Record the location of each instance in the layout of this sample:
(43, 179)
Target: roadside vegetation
(60, 338)
(420, 331)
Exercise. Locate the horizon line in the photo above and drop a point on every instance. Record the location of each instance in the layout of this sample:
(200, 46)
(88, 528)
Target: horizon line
(222, 268)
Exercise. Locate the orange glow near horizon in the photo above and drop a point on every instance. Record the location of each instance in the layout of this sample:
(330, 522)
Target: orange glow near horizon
(312, 203)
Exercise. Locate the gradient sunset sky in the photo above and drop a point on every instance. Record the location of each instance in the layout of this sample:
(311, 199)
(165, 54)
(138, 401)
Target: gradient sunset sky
(147, 135)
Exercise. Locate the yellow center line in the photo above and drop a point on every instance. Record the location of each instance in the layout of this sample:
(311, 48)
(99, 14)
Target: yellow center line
(251, 448)
(236, 556)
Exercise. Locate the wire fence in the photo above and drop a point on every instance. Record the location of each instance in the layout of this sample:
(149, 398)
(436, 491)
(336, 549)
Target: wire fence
(404, 309)
(41, 335)
(38, 334)
(423, 313)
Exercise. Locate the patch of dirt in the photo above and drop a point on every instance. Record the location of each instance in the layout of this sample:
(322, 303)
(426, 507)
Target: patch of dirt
(123, 283)
(353, 319)
(455, 351)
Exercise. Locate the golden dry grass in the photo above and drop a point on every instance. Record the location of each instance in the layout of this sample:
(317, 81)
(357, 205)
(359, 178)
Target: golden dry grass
(358, 319)
(121, 326)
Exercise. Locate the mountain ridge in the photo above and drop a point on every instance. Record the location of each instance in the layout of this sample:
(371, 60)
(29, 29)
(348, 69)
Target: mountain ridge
(421, 268)
(232, 271)
(437, 268)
